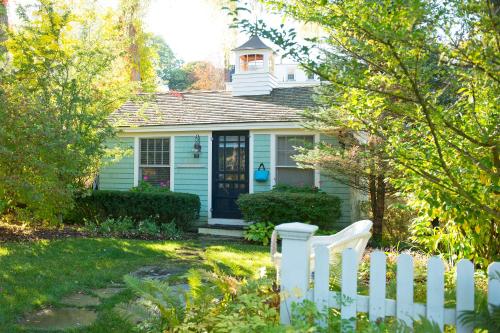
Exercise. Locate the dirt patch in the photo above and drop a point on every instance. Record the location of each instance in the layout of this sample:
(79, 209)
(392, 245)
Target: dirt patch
(19, 233)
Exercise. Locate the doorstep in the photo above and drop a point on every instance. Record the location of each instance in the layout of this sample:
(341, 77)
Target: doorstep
(224, 230)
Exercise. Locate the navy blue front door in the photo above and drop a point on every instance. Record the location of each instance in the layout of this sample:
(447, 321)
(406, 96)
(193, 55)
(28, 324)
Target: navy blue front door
(229, 172)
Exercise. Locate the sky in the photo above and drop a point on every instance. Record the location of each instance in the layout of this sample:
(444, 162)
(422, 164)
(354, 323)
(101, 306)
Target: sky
(194, 29)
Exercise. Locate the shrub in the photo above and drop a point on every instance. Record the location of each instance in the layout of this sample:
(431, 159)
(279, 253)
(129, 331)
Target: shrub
(276, 207)
(295, 189)
(128, 228)
(181, 208)
(147, 187)
(259, 232)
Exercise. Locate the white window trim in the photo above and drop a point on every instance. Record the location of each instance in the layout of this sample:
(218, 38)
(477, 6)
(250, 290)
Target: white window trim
(137, 158)
(274, 151)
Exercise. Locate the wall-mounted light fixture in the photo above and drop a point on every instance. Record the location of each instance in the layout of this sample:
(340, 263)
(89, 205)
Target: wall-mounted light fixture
(197, 147)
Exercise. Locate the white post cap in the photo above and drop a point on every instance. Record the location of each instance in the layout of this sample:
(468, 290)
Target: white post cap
(296, 230)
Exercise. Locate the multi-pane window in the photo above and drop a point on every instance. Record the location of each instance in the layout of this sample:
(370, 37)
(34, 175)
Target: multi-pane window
(287, 171)
(290, 76)
(155, 161)
(251, 62)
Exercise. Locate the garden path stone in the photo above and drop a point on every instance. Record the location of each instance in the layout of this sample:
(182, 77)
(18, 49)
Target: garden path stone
(80, 300)
(108, 292)
(157, 272)
(59, 319)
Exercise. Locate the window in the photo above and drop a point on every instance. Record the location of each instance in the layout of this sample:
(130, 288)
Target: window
(154, 166)
(251, 62)
(287, 171)
(290, 76)
(310, 76)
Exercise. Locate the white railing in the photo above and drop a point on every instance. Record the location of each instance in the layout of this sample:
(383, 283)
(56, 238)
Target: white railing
(295, 278)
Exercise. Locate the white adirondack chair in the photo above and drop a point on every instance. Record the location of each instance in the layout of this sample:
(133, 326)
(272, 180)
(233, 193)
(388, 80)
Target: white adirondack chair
(355, 236)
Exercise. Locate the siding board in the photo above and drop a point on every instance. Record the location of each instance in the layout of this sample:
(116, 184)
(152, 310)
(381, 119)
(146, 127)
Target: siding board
(118, 175)
(261, 154)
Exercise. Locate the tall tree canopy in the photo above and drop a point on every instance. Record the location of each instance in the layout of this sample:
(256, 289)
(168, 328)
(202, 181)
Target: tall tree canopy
(422, 77)
(64, 75)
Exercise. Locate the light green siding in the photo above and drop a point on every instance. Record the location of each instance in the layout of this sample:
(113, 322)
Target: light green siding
(261, 154)
(334, 187)
(118, 174)
(191, 174)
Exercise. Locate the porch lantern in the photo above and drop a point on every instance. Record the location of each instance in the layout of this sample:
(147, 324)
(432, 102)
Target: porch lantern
(197, 147)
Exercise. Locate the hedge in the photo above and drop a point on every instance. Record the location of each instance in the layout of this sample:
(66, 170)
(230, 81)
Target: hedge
(182, 208)
(318, 208)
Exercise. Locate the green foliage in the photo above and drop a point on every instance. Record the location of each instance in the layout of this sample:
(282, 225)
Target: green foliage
(63, 77)
(169, 68)
(180, 208)
(144, 186)
(278, 207)
(259, 232)
(422, 78)
(128, 228)
(295, 189)
(215, 302)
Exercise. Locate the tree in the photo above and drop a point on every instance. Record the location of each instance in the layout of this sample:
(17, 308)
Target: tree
(168, 67)
(4, 20)
(423, 77)
(141, 55)
(205, 76)
(65, 75)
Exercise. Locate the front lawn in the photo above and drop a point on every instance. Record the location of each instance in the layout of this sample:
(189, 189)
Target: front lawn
(37, 274)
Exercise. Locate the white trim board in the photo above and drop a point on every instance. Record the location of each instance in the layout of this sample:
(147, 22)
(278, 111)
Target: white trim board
(209, 164)
(212, 127)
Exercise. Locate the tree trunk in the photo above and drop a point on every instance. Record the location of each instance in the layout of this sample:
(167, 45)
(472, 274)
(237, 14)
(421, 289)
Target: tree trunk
(377, 191)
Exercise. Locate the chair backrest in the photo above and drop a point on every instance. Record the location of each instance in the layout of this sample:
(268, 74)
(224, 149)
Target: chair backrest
(355, 236)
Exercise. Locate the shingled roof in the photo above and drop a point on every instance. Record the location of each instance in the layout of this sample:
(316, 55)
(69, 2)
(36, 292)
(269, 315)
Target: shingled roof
(215, 107)
(254, 43)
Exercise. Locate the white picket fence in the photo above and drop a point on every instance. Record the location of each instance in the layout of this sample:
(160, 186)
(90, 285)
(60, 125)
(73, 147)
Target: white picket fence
(295, 279)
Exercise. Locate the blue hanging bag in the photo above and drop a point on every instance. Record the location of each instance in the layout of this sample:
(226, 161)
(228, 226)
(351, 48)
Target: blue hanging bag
(261, 174)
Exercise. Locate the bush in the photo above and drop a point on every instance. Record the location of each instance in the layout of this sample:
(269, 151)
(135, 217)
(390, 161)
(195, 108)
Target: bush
(128, 228)
(181, 208)
(260, 232)
(147, 187)
(295, 189)
(277, 207)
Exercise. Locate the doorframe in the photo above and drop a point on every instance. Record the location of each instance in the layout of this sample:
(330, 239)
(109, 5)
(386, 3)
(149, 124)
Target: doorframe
(211, 171)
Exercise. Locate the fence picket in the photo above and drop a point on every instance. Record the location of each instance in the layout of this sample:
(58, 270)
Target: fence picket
(377, 285)
(322, 278)
(464, 293)
(435, 291)
(494, 284)
(349, 283)
(404, 289)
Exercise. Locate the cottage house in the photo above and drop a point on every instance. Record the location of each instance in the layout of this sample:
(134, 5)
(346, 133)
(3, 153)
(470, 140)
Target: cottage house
(211, 142)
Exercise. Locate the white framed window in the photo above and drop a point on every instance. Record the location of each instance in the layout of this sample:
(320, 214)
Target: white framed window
(290, 76)
(311, 76)
(154, 157)
(287, 171)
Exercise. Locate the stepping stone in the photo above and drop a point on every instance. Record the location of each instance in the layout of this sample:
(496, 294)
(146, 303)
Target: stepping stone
(107, 292)
(59, 319)
(80, 300)
(157, 272)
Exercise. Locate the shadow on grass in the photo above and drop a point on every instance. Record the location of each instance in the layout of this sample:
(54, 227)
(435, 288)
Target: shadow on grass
(35, 274)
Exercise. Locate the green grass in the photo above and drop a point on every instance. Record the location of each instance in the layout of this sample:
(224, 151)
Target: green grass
(38, 274)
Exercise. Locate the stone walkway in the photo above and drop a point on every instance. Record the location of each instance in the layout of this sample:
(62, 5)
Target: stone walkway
(79, 309)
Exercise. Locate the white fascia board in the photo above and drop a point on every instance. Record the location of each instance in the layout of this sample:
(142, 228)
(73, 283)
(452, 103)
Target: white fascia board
(210, 127)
